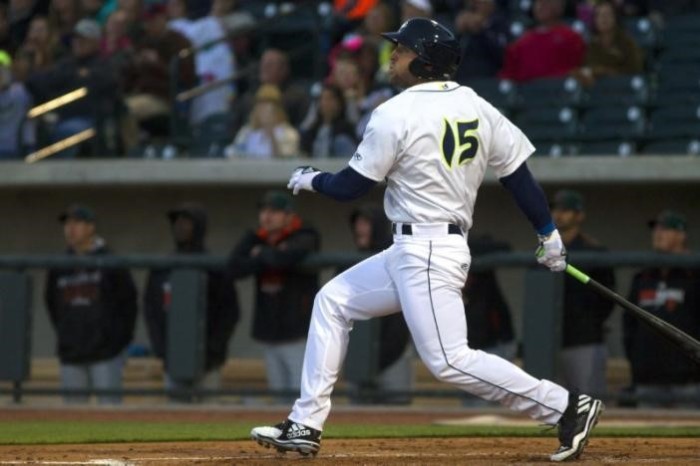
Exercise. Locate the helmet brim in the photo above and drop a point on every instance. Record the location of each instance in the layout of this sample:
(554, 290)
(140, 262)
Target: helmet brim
(391, 36)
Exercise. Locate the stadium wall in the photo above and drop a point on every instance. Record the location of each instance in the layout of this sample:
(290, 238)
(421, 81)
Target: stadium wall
(131, 198)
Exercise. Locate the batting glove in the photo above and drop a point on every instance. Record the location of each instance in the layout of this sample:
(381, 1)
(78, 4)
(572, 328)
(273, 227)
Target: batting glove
(551, 252)
(301, 179)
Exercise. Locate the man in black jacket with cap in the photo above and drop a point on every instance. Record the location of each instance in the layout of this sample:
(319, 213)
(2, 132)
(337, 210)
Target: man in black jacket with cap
(92, 310)
(583, 356)
(284, 297)
(188, 224)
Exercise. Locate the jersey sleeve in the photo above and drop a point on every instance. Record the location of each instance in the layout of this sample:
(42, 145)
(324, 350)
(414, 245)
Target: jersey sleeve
(509, 146)
(380, 144)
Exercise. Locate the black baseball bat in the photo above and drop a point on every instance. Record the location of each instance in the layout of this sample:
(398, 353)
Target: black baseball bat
(689, 345)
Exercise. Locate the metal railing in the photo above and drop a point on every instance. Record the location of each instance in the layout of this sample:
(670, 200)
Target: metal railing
(316, 262)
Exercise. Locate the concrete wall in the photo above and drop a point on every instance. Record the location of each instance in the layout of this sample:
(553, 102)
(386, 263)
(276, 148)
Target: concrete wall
(131, 218)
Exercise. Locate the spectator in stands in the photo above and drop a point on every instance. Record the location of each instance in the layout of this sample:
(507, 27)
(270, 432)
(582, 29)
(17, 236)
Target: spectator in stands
(274, 69)
(331, 134)
(490, 326)
(148, 77)
(371, 232)
(661, 374)
(116, 40)
(212, 63)
(15, 102)
(415, 9)
(268, 134)
(380, 19)
(611, 50)
(347, 75)
(484, 34)
(583, 356)
(63, 17)
(133, 9)
(93, 312)
(41, 46)
(188, 225)
(550, 49)
(14, 23)
(84, 68)
(284, 293)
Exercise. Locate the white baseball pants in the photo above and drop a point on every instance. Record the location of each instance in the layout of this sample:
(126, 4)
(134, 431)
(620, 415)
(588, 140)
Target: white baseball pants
(421, 274)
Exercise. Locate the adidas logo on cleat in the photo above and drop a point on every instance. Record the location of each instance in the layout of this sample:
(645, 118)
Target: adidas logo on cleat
(297, 431)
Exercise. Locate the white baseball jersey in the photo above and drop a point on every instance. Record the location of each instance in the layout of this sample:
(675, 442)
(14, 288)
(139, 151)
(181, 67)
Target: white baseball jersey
(433, 143)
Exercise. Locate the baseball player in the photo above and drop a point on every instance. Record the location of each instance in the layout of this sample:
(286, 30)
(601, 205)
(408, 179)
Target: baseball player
(432, 144)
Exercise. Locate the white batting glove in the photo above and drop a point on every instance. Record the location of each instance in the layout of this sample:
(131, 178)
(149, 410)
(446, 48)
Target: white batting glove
(301, 179)
(551, 252)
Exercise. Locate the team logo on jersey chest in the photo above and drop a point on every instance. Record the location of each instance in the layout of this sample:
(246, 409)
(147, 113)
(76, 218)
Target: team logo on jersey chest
(460, 142)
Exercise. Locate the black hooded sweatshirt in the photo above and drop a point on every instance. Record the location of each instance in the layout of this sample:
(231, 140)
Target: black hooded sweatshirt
(92, 310)
(393, 332)
(222, 300)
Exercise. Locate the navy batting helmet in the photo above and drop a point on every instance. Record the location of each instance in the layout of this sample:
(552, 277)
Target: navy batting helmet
(436, 47)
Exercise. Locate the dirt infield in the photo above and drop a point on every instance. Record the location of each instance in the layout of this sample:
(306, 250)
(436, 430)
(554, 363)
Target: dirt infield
(433, 451)
(472, 451)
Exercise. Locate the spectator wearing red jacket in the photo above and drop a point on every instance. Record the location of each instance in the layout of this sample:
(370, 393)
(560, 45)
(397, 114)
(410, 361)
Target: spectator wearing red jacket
(550, 49)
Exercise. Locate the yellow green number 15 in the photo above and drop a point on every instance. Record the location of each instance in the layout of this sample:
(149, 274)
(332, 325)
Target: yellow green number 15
(459, 142)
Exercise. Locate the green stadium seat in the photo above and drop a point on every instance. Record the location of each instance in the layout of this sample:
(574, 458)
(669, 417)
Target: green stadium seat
(554, 149)
(548, 92)
(672, 147)
(548, 124)
(617, 90)
(210, 137)
(675, 121)
(620, 148)
(615, 123)
(500, 93)
(644, 32)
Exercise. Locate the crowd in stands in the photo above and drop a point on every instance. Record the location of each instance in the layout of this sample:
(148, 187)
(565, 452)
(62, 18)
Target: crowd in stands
(266, 79)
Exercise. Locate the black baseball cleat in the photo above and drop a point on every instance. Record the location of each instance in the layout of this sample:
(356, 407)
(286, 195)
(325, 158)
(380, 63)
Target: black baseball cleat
(575, 426)
(289, 436)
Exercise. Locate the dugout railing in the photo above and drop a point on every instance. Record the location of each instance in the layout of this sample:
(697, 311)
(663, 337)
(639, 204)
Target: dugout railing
(541, 329)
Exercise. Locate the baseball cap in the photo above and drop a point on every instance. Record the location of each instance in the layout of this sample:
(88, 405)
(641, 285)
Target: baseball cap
(88, 28)
(278, 200)
(670, 220)
(77, 212)
(567, 199)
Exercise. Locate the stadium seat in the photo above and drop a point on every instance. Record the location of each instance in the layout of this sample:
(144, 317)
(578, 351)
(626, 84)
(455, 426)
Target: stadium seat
(673, 147)
(674, 122)
(678, 84)
(682, 29)
(548, 124)
(548, 92)
(210, 137)
(613, 123)
(621, 148)
(644, 32)
(554, 149)
(500, 93)
(617, 90)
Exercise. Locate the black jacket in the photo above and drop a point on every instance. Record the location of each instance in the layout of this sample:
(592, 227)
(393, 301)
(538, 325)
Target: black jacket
(674, 296)
(93, 311)
(222, 303)
(585, 311)
(70, 74)
(284, 294)
(393, 331)
(488, 315)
